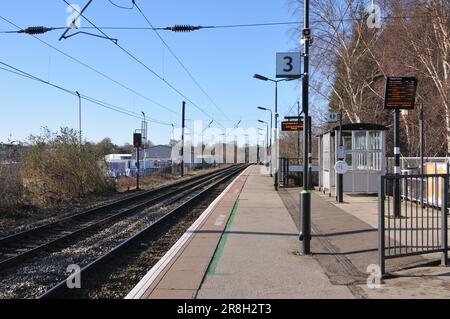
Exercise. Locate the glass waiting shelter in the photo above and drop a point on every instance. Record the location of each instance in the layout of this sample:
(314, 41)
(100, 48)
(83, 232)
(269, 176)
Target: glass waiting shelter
(365, 153)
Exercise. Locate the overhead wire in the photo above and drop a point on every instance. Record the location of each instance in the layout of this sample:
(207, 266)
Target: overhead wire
(133, 28)
(9, 68)
(96, 71)
(170, 85)
(121, 7)
(178, 59)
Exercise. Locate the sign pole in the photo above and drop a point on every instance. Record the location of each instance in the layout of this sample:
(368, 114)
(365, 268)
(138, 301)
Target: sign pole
(397, 195)
(138, 165)
(137, 143)
(276, 138)
(310, 153)
(340, 196)
(183, 125)
(422, 149)
(422, 140)
(298, 144)
(400, 94)
(305, 197)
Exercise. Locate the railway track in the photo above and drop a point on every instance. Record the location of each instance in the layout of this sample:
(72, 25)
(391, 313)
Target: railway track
(19, 246)
(25, 250)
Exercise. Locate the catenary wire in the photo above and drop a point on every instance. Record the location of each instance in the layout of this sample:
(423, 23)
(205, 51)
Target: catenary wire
(170, 85)
(268, 24)
(95, 70)
(178, 59)
(19, 72)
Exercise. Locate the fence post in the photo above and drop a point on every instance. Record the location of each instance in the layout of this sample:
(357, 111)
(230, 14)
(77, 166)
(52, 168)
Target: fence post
(444, 221)
(381, 230)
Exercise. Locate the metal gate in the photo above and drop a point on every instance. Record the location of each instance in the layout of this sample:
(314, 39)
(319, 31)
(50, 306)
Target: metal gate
(284, 172)
(419, 224)
(291, 172)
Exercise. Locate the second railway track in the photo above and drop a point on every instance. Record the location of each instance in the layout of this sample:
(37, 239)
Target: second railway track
(30, 261)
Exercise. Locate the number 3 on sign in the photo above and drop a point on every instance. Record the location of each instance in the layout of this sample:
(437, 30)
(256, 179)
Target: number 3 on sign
(289, 65)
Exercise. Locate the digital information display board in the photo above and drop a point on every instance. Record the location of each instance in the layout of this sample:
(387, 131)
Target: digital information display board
(400, 93)
(291, 126)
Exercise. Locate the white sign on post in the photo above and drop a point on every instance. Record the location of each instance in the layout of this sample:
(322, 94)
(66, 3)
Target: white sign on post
(333, 117)
(341, 152)
(289, 65)
(341, 167)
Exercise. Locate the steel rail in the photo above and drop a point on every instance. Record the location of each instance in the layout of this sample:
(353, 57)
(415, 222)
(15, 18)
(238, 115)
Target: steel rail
(110, 205)
(191, 187)
(61, 288)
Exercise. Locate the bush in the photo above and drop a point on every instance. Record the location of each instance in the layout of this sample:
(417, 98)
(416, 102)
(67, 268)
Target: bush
(11, 189)
(56, 170)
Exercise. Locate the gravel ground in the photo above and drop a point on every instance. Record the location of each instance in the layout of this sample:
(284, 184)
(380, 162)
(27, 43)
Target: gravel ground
(31, 217)
(119, 277)
(32, 279)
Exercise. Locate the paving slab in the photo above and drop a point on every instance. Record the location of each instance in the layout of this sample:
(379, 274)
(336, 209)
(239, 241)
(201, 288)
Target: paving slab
(260, 257)
(179, 274)
(345, 243)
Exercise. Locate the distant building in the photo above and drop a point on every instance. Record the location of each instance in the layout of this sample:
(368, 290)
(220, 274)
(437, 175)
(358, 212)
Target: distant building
(11, 152)
(158, 153)
(118, 157)
(120, 164)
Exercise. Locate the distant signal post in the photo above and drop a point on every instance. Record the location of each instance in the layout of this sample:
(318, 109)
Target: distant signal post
(137, 143)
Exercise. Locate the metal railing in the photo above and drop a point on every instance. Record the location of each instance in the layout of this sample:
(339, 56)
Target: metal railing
(412, 163)
(417, 226)
(288, 176)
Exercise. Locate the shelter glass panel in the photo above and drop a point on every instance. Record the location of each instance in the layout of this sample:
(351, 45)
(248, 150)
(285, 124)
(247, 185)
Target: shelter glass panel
(375, 161)
(348, 142)
(374, 141)
(360, 140)
(349, 160)
(360, 159)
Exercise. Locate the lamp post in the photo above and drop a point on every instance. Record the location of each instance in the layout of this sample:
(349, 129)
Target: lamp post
(246, 149)
(79, 115)
(261, 132)
(235, 142)
(258, 158)
(203, 134)
(144, 131)
(305, 197)
(263, 78)
(270, 160)
(183, 125)
(271, 124)
(223, 149)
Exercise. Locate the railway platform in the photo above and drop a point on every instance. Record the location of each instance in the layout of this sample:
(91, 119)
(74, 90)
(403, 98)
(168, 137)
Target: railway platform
(245, 245)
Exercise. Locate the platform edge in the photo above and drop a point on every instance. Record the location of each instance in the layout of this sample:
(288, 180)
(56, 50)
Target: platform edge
(138, 291)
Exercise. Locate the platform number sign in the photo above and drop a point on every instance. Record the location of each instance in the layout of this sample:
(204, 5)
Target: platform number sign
(289, 65)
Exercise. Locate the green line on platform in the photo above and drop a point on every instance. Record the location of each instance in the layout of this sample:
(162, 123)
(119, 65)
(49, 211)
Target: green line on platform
(222, 242)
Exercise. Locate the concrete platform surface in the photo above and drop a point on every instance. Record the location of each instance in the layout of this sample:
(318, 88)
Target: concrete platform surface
(245, 246)
(179, 274)
(345, 244)
(259, 255)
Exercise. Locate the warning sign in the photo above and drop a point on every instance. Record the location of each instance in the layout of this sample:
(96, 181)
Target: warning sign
(292, 126)
(400, 93)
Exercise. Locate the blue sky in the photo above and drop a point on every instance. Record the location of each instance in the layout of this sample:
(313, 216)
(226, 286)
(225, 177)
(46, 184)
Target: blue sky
(222, 60)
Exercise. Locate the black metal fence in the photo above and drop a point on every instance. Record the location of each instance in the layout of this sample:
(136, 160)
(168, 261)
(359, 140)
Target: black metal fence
(418, 224)
(291, 173)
